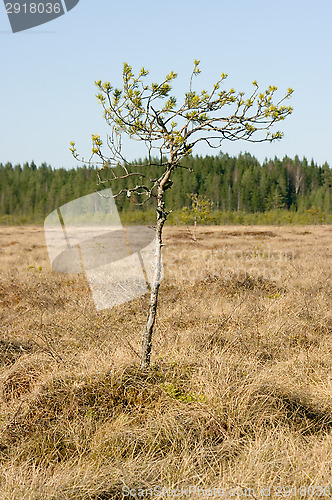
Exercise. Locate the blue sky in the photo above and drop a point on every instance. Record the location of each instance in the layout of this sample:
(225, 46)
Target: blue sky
(47, 92)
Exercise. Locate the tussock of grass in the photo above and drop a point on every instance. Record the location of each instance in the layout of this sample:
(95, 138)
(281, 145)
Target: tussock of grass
(10, 350)
(300, 408)
(242, 283)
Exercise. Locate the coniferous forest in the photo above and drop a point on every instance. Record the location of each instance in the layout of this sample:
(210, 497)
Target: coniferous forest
(232, 185)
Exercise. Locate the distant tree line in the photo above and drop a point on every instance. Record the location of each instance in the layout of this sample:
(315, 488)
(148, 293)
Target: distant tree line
(229, 183)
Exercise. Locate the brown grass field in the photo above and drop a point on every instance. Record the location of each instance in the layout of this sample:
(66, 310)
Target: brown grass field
(238, 396)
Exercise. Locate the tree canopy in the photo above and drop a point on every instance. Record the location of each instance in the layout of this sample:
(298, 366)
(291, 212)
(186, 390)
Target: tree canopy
(170, 130)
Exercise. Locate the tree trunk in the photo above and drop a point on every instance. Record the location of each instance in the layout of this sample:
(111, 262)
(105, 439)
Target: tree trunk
(147, 332)
(195, 229)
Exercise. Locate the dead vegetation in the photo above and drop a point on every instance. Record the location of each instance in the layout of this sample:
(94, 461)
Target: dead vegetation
(239, 393)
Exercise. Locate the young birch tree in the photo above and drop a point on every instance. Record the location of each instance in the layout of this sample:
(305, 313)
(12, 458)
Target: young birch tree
(170, 130)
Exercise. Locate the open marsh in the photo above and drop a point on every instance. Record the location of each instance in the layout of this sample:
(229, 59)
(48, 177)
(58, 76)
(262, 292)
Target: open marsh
(239, 393)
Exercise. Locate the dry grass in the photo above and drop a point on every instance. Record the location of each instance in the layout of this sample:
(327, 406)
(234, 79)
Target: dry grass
(239, 393)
